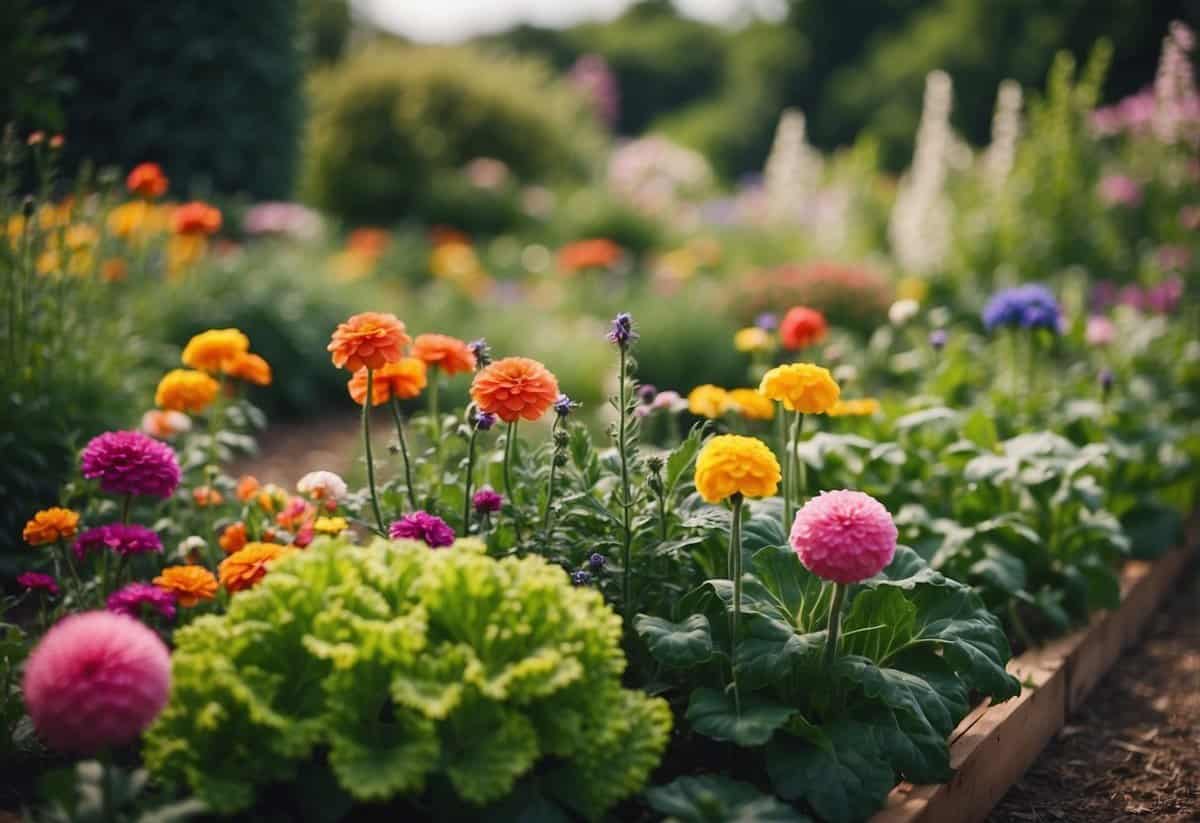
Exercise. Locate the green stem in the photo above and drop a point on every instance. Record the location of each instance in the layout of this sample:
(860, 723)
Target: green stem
(470, 477)
(800, 483)
(510, 448)
(408, 481)
(366, 430)
(785, 454)
(553, 472)
(626, 549)
(435, 417)
(835, 623)
(735, 575)
(125, 506)
(662, 512)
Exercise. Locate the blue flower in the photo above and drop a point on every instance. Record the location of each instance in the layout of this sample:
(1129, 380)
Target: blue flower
(1032, 306)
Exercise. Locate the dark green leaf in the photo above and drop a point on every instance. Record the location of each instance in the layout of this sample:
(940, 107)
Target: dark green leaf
(714, 714)
(1152, 528)
(712, 798)
(679, 645)
(845, 777)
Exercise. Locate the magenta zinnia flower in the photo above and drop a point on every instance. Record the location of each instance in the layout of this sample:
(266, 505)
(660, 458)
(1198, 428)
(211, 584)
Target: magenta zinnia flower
(487, 500)
(130, 599)
(128, 462)
(95, 681)
(36, 581)
(419, 525)
(844, 536)
(121, 538)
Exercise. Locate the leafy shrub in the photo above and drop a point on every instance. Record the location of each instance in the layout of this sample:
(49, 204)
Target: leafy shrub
(209, 90)
(385, 122)
(409, 665)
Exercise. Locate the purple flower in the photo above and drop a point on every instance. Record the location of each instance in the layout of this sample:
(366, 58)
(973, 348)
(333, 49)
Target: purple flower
(1106, 379)
(484, 421)
(487, 500)
(592, 77)
(129, 462)
(131, 598)
(36, 581)
(482, 352)
(581, 577)
(420, 525)
(564, 405)
(622, 332)
(596, 562)
(767, 321)
(937, 339)
(1032, 306)
(646, 393)
(121, 538)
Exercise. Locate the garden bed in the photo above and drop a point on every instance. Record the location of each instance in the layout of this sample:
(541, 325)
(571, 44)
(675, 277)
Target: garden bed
(995, 744)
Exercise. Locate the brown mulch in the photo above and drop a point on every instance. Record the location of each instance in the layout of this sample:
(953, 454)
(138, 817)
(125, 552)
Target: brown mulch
(1132, 753)
(288, 451)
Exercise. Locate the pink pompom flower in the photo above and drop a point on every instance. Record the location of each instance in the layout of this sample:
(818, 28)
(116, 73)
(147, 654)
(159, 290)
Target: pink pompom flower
(123, 539)
(420, 525)
(96, 680)
(844, 536)
(129, 462)
(130, 600)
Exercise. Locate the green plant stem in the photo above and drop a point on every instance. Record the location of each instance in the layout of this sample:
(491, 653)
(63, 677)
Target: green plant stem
(125, 506)
(627, 531)
(408, 481)
(835, 623)
(435, 417)
(782, 427)
(662, 512)
(469, 479)
(800, 483)
(366, 431)
(510, 448)
(553, 472)
(735, 575)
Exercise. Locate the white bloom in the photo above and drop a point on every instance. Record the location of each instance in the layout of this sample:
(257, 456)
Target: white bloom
(902, 311)
(165, 424)
(845, 373)
(322, 485)
(195, 544)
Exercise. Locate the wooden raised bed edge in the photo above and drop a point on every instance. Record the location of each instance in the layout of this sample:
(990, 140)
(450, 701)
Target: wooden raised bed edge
(994, 745)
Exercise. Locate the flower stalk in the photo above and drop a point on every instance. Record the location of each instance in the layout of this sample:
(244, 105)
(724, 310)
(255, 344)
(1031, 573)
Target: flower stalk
(835, 623)
(470, 476)
(408, 480)
(626, 503)
(735, 575)
(366, 431)
(510, 448)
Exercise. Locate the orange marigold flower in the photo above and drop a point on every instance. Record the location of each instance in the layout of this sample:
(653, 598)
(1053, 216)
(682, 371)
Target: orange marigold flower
(598, 253)
(147, 180)
(751, 405)
(196, 218)
(368, 341)
(242, 569)
(233, 539)
(205, 496)
(249, 367)
(802, 327)
(369, 241)
(447, 353)
(114, 270)
(514, 388)
(403, 379)
(247, 487)
(212, 350)
(190, 584)
(708, 401)
(50, 526)
(185, 390)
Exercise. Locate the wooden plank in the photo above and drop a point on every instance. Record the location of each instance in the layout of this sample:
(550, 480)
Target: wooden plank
(994, 745)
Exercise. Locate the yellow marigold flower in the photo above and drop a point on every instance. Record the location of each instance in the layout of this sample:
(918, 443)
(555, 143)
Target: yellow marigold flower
(864, 407)
(330, 525)
(185, 251)
(185, 390)
(751, 405)
(212, 350)
(191, 584)
(81, 236)
(244, 568)
(125, 220)
(50, 526)
(752, 339)
(249, 367)
(912, 288)
(731, 464)
(708, 401)
(801, 387)
(49, 262)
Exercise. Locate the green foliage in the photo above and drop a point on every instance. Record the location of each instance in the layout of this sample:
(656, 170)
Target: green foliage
(209, 90)
(406, 665)
(715, 799)
(32, 55)
(324, 29)
(387, 121)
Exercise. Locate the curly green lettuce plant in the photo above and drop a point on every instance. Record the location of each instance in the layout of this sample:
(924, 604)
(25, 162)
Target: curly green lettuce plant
(408, 671)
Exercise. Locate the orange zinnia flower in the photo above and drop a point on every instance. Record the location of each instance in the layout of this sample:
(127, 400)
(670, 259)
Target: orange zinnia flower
(233, 539)
(249, 367)
(244, 568)
(196, 218)
(448, 353)
(514, 388)
(147, 180)
(185, 390)
(114, 270)
(211, 350)
(191, 584)
(403, 379)
(368, 341)
(205, 496)
(600, 253)
(369, 242)
(51, 525)
(247, 487)
(802, 327)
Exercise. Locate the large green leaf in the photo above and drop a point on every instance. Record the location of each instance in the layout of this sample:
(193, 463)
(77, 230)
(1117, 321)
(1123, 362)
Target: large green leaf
(843, 775)
(1152, 528)
(711, 798)
(680, 645)
(771, 650)
(803, 596)
(715, 714)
